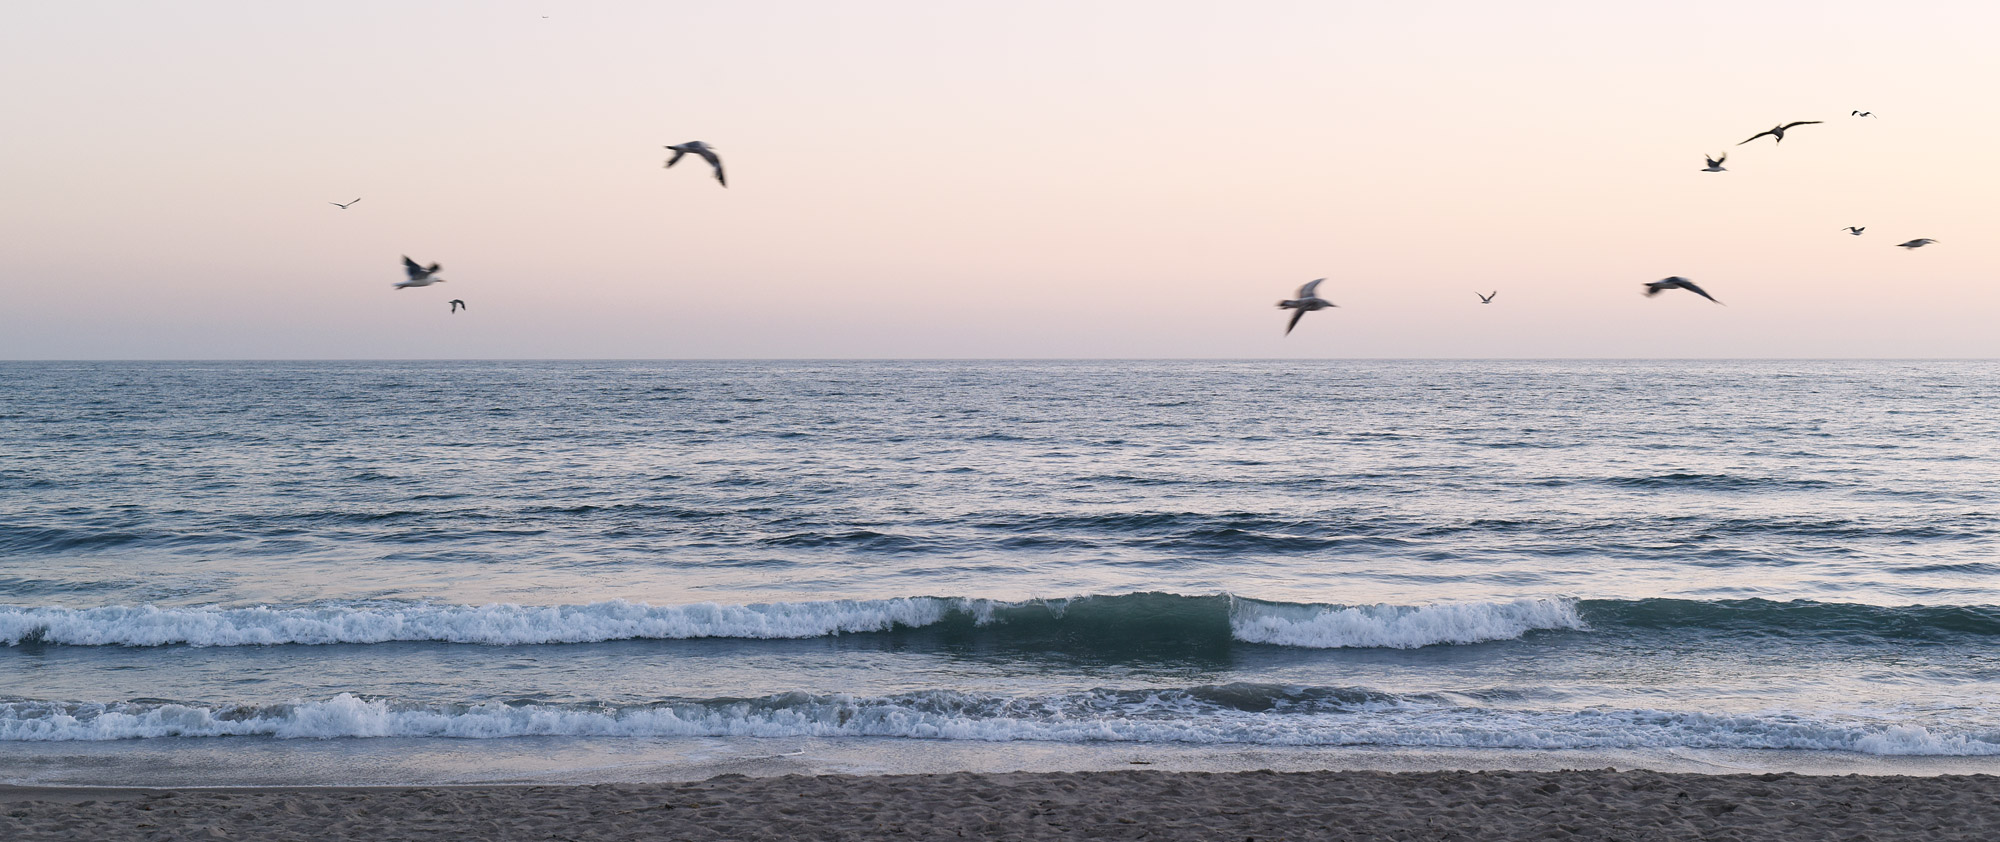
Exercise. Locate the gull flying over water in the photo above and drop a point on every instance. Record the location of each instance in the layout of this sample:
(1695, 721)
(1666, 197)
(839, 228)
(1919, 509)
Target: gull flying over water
(1486, 299)
(1778, 132)
(1307, 301)
(419, 276)
(457, 304)
(1917, 243)
(344, 207)
(1715, 164)
(699, 148)
(1854, 230)
(1676, 282)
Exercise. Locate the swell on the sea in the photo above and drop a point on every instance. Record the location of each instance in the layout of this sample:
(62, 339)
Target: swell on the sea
(1127, 619)
(1113, 621)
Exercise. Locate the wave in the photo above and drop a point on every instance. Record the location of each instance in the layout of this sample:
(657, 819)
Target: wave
(1250, 714)
(1113, 623)
(1135, 624)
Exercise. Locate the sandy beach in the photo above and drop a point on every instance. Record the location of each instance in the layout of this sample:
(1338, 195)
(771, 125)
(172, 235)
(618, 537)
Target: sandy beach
(1486, 806)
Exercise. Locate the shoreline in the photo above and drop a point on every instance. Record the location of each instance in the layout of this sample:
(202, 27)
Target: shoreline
(1144, 804)
(236, 762)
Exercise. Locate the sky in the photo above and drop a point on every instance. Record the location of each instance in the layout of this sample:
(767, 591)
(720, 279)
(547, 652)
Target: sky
(1013, 179)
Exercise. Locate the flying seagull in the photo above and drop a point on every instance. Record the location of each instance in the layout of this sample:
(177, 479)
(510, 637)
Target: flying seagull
(419, 276)
(457, 304)
(1487, 299)
(1715, 164)
(1676, 282)
(1778, 132)
(1308, 300)
(1918, 243)
(344, 207)
(1865, 114)
(1855, 231)
(699, 148)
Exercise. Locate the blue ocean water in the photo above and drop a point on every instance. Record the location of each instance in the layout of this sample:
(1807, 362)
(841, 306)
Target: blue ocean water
(1384, 555)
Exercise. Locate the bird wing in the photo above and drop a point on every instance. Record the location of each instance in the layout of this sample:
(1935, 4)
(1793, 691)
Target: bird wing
(1758, 135)
(677, 156)
(356, 199)
(714, 161)
(411, 267)
(1310, 289)
(1296, 315)
(1690, 287)
(1800, 123)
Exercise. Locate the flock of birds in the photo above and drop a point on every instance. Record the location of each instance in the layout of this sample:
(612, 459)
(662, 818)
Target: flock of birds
(1307, 299)
(423, 276)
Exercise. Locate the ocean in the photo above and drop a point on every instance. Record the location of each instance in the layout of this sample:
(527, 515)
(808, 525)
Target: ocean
(274, 572)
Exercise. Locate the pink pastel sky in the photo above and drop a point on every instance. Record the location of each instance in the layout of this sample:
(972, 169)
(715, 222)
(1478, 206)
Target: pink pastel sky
(995, 179)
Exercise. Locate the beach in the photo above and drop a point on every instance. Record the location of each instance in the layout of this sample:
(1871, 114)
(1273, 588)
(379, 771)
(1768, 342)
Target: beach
(1488, 806)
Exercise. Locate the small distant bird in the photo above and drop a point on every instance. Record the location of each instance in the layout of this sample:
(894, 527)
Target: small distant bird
(699, 148)
(1855, 231)
(344, 207)
(1715, 164)
(1676, 282)
(457, 304)
(1307, 301)
(1486, 299)
(1918, 243)
(419, 276)
(1866, 114)
(1778, 132)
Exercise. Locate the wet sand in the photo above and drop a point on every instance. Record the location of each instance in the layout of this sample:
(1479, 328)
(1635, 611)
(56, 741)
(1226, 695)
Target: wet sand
(1135, 805)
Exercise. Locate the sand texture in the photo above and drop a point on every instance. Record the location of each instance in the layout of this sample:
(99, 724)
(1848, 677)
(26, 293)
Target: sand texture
(1136, 805)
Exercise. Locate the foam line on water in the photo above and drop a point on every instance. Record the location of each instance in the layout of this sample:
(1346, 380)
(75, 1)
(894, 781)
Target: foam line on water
(1099, 716)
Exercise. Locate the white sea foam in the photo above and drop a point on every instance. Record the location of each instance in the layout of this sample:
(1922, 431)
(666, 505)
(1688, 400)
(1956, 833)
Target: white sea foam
(502, 624)
(1397, 626)
(800, 715)
(488, 624)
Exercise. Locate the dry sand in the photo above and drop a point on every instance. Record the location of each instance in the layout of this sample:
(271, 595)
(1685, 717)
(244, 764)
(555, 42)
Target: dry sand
(1148, 805)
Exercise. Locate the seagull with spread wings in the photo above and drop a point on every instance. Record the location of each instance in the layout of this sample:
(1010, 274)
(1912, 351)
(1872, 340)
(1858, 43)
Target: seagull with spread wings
(1918, 243)
(1486, 299)
(1856, 231)
(1865, 114)
(1715, 163)
(344, 207)
(699, 148)
(1778, 132)
(419, 275)
(457, 304)
(1676, 282)
(1307, 301)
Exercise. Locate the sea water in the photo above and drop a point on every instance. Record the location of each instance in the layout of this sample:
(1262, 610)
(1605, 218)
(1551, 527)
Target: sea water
(926, 560)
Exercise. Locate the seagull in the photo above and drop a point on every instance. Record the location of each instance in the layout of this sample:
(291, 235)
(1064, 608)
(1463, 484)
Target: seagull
(702, 149)
(1676, 282)
(341, 206)
(1308, 300)
(1487, 299)
(1715, 164)
(1855, 231)
(1917, 243)
(457, 304)
(419, 276)
(1778, 132)
(1865, 114)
